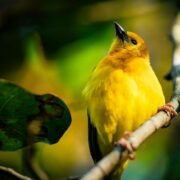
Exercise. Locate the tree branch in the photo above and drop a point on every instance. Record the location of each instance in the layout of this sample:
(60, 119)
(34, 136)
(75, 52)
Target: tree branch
(13, 174)
(119, 154)
(30, 165)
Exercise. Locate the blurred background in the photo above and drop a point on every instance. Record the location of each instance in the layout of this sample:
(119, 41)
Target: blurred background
(52, 47)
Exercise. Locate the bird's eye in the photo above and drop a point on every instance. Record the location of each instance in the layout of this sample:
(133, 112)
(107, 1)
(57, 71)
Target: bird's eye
(134, 41)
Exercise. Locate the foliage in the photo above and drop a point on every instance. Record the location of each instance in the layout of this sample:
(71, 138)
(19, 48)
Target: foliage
(26, 118)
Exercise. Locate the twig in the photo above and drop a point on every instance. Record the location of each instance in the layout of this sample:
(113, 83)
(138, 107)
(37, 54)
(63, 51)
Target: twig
(109, 162)
(31, 166)
(15, 174)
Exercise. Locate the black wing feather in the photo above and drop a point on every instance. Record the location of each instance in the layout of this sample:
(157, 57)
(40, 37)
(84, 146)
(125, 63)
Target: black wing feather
(93, 142)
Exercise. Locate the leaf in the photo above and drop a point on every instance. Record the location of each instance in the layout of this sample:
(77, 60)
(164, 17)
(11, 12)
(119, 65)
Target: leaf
(26, 118)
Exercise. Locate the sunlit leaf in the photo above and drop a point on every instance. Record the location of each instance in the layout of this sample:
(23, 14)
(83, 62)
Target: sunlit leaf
(26, 118)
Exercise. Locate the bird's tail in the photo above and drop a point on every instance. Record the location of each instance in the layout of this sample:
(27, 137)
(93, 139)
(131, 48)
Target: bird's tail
(116, 175)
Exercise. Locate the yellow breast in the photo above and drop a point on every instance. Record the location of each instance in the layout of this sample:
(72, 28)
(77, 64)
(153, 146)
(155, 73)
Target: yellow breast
(121, 99)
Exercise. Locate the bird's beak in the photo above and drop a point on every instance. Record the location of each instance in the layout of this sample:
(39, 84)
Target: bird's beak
(120, 32)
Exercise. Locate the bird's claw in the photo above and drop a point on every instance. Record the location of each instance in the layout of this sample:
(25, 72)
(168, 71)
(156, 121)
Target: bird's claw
(126, 144)
(169, 109)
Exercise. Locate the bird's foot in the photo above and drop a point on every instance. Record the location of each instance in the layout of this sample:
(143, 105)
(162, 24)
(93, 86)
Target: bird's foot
(169, 109)
(126, 144)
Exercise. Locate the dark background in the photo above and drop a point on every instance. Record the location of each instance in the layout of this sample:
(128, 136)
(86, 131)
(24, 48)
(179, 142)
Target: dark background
(52, 46)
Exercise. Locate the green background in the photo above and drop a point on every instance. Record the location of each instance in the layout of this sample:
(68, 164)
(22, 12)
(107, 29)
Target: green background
(52, 47)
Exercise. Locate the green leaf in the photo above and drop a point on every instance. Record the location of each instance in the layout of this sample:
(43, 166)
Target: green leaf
(26, 118)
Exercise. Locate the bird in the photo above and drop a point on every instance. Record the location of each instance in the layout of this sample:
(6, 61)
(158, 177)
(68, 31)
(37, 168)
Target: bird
(121, 93)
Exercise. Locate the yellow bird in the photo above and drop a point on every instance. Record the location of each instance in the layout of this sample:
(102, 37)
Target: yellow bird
(121, 94)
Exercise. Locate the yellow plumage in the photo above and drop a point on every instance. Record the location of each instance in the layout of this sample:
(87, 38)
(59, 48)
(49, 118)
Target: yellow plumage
(122, 91)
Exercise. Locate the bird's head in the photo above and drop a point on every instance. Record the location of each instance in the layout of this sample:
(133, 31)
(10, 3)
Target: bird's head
(127, 45)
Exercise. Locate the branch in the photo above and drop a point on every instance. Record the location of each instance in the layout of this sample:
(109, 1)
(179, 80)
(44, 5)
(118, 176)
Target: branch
(30, 165)
(119, 154)
(13, 174)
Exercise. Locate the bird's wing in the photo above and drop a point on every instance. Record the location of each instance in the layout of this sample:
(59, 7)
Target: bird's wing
(93, 142)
